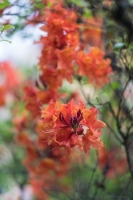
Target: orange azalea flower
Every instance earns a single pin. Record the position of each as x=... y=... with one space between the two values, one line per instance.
x=39 y=187
x=20 y=121
x=57 y=66
x=91 y=139
x=23 y=139
x=32 y=153
x=54 y=77
x=113 y=162
x=61 y=28
x=60 y=19
x=3 y=95
x=67 y=124
x=36 y=97
x=94 y=66
x=43 y=162
x=38 y=15
x=9 y=76
x=92 y=31
x=9 y=80
x=59 y=46
x=32 y=103
x=47 y=169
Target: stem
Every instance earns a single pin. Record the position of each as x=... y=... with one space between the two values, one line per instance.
x=128 y=159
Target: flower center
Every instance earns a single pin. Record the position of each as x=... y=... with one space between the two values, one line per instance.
x=73 y=122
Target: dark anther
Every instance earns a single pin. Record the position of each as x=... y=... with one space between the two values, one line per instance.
x=62 y=119
x=79 y=116
x=73 y=121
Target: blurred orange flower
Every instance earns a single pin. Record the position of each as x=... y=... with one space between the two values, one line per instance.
x=10 y=77
x=9 y=80
x=36 y=97
x=94 y=66
x=113 y=162
x=92 y=31
x=58 y=46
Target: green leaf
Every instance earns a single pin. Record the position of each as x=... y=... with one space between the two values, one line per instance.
x=7 y=27
x=39 y=5
x=1 y=28
x=4 y=4
x=85 y=80
x=50 y=4
x=76 y=68
x=79 y=3
x=115 y=85
x=87 y=13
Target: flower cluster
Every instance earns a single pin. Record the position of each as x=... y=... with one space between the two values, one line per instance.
x=64 y=46
x=49 y=143
x=52 y=133
x=94 y=66
x=42 y=160
x=59 y=46
x=36 y=97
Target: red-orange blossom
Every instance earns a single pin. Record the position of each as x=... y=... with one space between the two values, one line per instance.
x=72 y=125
